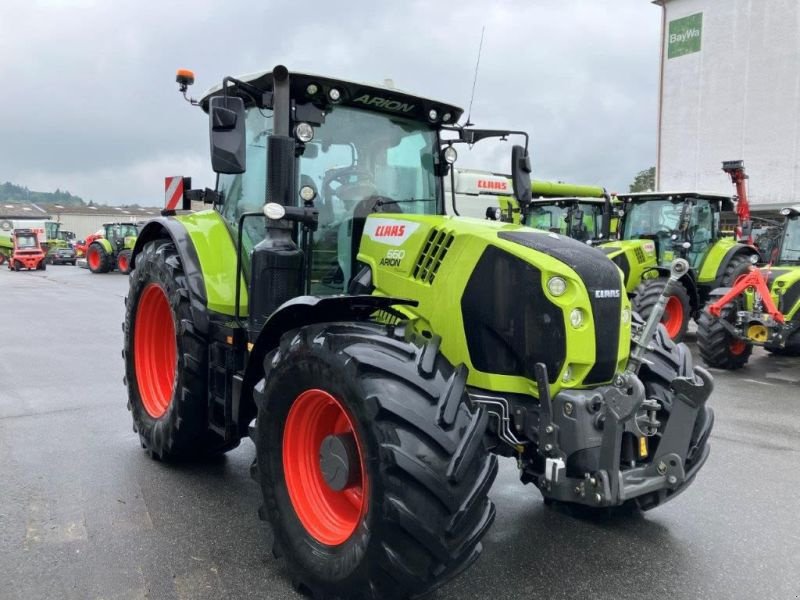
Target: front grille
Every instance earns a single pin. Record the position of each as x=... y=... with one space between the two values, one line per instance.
x=509 y=322
x=598 y=275
x=432 y=255
x=639 y=255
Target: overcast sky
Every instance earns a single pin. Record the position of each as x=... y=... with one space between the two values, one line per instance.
x=90 y=104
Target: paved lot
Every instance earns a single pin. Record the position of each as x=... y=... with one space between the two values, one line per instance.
x=85 y=514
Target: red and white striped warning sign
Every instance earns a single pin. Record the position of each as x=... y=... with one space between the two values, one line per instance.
x=173 y=191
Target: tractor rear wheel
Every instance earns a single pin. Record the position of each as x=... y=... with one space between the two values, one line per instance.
x=738 y=266
x=677 y=312
x=97 y=259
x=718 y=347
x=371 y=461
x=124 y=262
x=166 y=360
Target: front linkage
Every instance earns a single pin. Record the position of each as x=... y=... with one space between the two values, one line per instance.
x=575 y=418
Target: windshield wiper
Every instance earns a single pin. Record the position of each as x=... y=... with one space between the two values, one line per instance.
x=392 y=201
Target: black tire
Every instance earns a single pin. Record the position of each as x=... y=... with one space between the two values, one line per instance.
x=105 y=261
x=739 y=265
x=665 y=362
x=182 y=430
x=73 y=262
x=42 y=266
x=428 y=470
x=124 y=262
x=791 y=349
x=647 y=294
x=718 y=347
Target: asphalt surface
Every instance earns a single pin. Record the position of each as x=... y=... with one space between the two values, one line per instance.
x=84 y=513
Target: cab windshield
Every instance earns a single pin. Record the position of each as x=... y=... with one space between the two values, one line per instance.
x=51 y=228
x=27 y=241
x=582 y=221
x=358 y=162
x=652 y=218
x=790 y=246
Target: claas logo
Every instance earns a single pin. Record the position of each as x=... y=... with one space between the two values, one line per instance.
x=390 y=230
x=489 y=184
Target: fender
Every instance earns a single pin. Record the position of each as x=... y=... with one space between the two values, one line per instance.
x=166 y=228
x=105 y=244
x=293 y=314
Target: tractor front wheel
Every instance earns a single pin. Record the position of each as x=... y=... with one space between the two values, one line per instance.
x=718 y=347
x=97 y=259
x=166 y=360
x=371 y=462
x=677 y=312
x=124 y=262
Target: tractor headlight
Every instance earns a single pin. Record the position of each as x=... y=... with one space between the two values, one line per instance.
x=446 y=117
x=754 y=258
x=786 y=212
x=307 y=193
x=567 y=374
x=557 y=286
x=450 y=155
x=576 y=317
x=335 y=95
x=304 y=132
x=626 y=316
x=433 y=114
x=312 y=89
x=274 y=211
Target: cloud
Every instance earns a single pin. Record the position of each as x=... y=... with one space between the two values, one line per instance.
x=91 y=105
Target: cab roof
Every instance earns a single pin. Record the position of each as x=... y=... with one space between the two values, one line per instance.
x=727 y=202
x=361 y=95
x=569 y=199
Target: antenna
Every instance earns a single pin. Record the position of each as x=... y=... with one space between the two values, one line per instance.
x=475 y=80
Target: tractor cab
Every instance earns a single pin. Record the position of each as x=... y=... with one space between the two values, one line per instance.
x=116 y=233
x=582 y=219
x=361 y=149
x=789 y=252
x=682 y=225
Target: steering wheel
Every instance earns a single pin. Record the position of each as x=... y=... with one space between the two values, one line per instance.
x=349 y=184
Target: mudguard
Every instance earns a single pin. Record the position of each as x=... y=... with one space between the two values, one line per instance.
x=299 y=312
x=161 y=228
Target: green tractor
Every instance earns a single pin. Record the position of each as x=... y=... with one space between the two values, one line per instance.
x=114 y=249
x=586 y=219
x=379 y=353
x=655 y=228
x=761 y=309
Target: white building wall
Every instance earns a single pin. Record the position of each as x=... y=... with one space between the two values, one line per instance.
x=83 y=225
x=737 y=98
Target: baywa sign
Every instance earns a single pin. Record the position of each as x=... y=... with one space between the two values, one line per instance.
x=685 y=35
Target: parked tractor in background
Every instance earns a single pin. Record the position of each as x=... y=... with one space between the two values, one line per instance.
x=762 y=308
x=578 y=211
x=378 y=398
x=113 y=250
x=21 y=249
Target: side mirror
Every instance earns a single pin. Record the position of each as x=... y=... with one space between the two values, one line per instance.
x=521 y=175
x=226 y=130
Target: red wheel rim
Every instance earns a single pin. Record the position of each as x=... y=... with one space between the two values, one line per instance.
x=123 y=263
x=329 y=516
x=154 y=350
x=737 y=347
x=673 y=316
x=93 y=258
